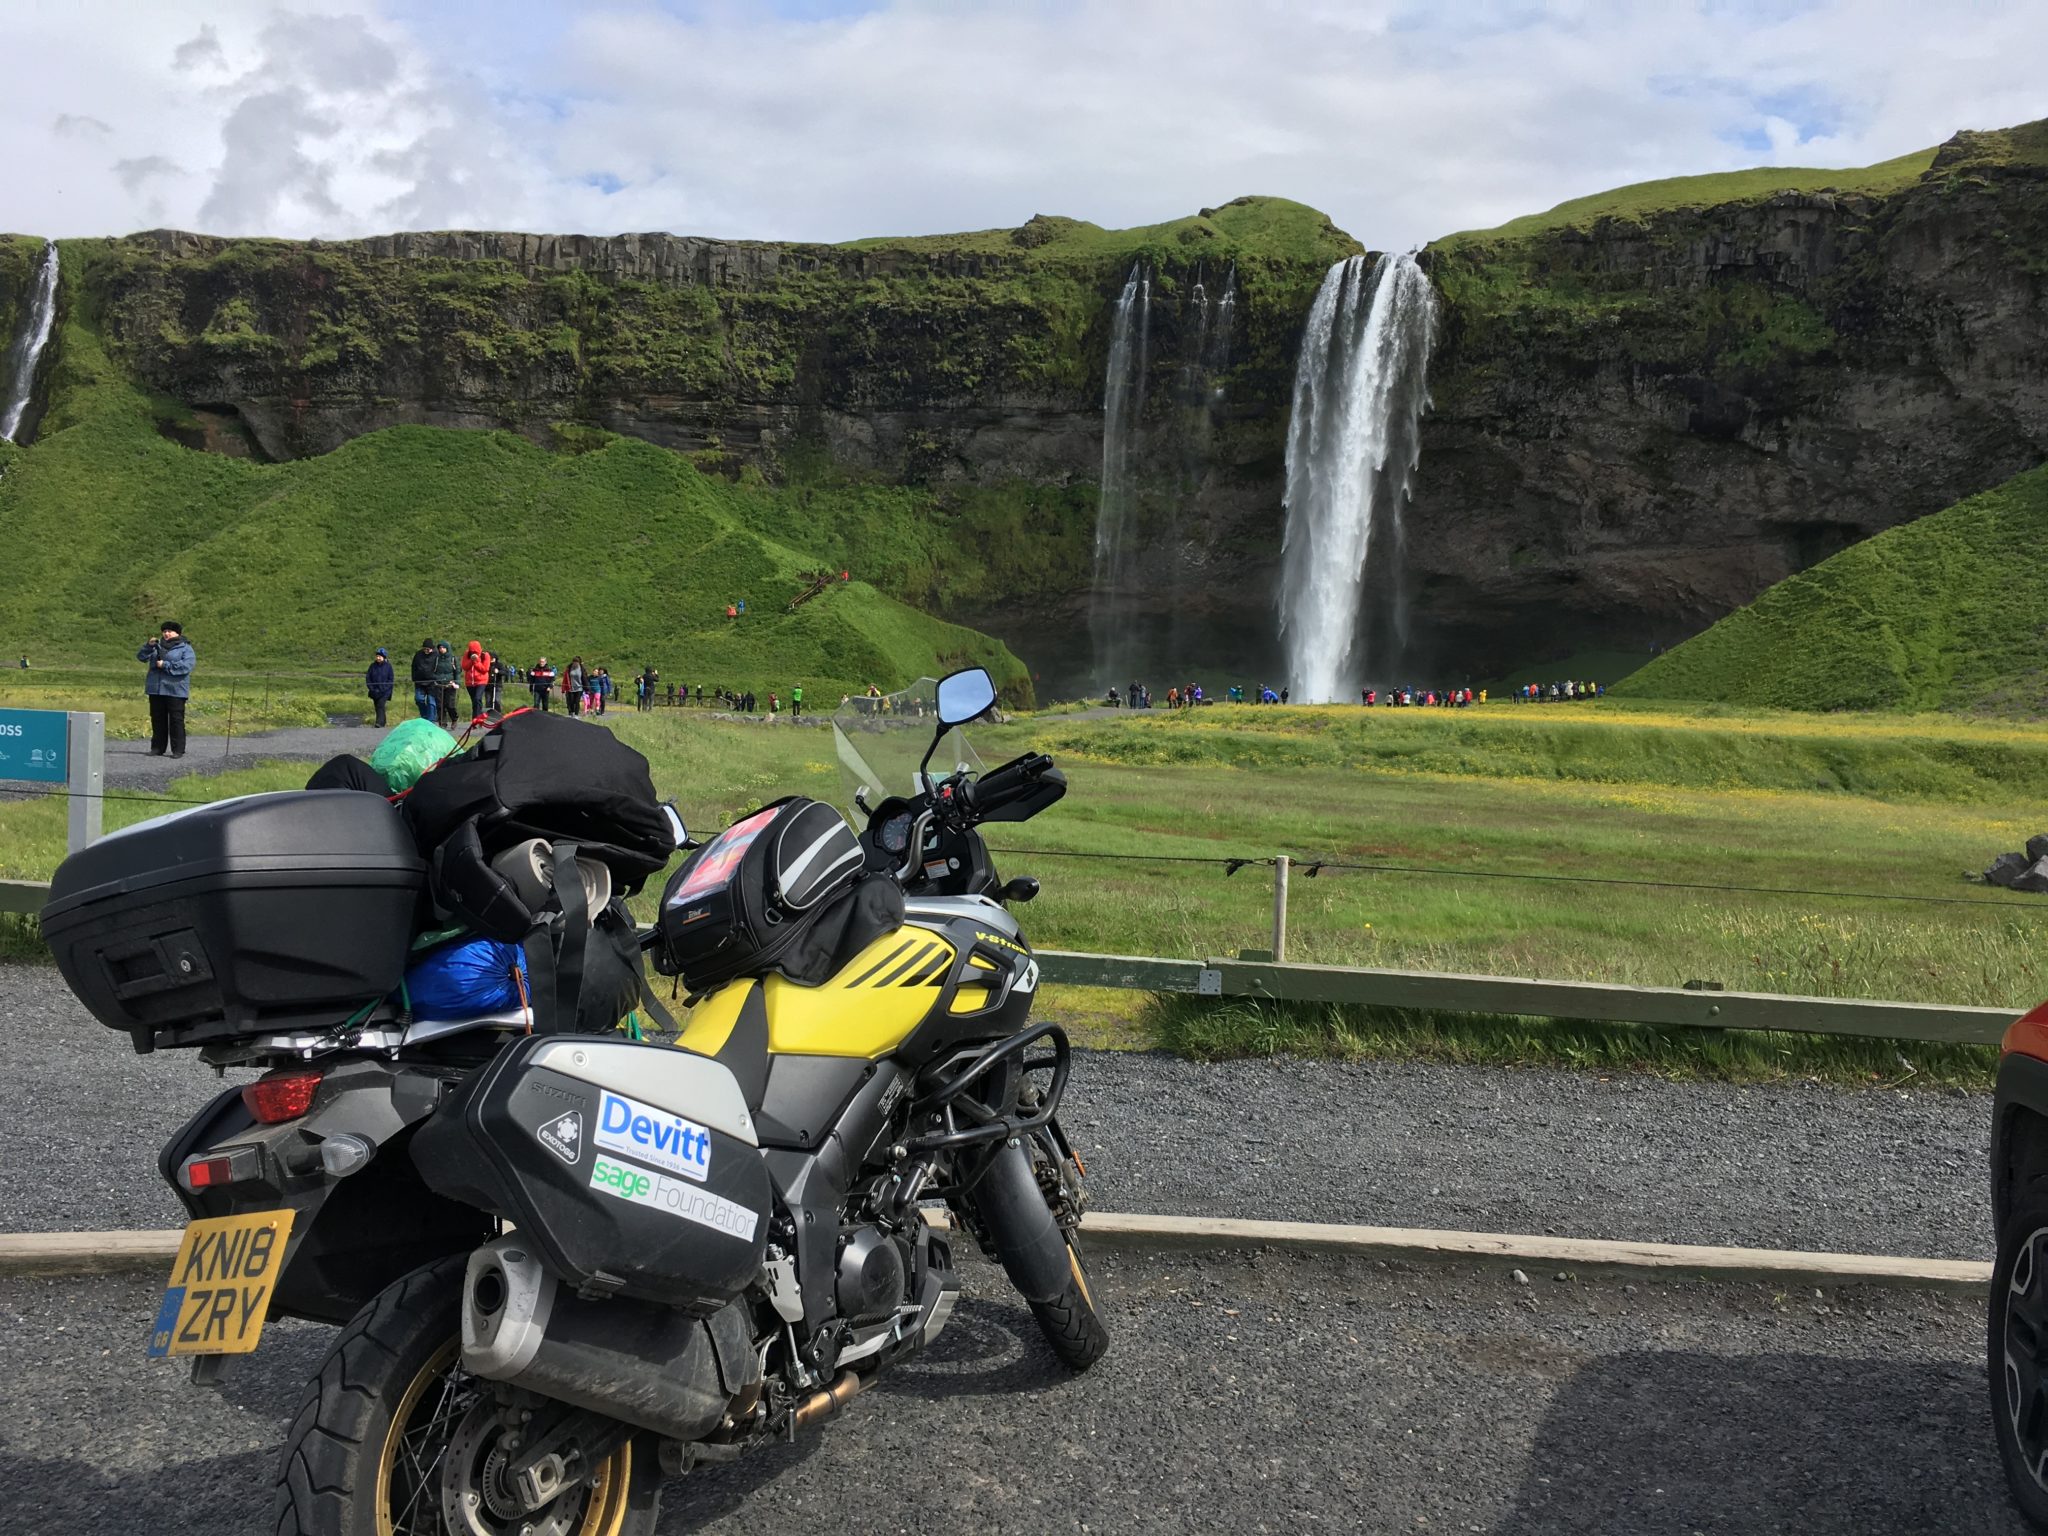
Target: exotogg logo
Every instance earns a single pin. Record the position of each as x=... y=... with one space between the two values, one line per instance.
x=654 y=1136
x=563 y=1136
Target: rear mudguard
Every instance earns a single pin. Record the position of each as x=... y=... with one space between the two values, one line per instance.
x=1028 y=1240
x=351 y=1236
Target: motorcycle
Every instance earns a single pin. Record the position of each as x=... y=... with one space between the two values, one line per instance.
x=570 y=1266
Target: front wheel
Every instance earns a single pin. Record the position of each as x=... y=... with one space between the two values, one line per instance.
x=1042 y=1258
x=1069 y=1321
x=394 y=1438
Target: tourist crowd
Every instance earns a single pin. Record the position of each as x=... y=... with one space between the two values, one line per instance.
x=1190 y=695
x=445 y=682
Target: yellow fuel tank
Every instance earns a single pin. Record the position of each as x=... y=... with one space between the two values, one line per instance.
x=867 y=1010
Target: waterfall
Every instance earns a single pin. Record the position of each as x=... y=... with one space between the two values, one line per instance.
x=1353 y=441
x=1123 y=408
x=27 y=350
x=1194 y=346
x=1216 y=356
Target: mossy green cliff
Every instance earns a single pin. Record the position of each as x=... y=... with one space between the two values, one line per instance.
x=1653 y=404
x=1650 y=404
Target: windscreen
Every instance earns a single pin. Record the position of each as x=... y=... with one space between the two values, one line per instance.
x=880 y=739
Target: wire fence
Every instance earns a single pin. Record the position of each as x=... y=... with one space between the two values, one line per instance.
x=1308 y=867
x=1305 y=866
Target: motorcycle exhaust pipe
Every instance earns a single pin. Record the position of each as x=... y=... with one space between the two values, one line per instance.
x=645 y=1365
x=828 y=1401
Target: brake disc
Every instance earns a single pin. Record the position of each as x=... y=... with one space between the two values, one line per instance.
x=476 y=1498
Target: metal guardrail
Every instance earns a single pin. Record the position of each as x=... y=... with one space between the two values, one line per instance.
x=1447 y=992
x=23 y=896
x=1599 y=1001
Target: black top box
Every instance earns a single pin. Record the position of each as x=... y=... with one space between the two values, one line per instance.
x=268 y=912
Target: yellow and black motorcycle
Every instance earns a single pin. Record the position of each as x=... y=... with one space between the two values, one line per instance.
x=569 y=1265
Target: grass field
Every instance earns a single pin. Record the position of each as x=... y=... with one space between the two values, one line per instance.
x=1603 y=793
x=252 y=701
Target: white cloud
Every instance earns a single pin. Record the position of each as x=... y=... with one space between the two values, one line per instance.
x=1402 y=120
x=201 y=51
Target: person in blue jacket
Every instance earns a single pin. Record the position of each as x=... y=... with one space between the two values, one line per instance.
x=377 y=682
x=168 y=682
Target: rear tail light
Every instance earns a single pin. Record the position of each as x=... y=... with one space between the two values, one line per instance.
x=282 y=1095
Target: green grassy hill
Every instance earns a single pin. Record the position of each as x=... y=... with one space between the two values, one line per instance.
x=1645 y=198
x=1967 y=151
x=624 y=553
x=1950 y=612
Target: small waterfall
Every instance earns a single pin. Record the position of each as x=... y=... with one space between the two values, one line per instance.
x=1194 y=346
x=1123 y=409
x=1353 y=441
x=27 y=350
x=1216 y=357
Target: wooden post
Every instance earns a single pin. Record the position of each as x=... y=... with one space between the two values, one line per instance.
x=1280 y=866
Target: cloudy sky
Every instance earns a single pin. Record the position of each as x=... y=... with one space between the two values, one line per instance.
x=831 y=119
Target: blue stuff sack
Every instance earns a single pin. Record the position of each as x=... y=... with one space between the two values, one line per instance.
x=467 y=978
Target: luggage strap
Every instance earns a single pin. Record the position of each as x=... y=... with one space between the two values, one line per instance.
x=556 y=974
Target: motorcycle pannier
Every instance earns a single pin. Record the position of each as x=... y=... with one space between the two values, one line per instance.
x=633 y=1168
x=744 y=902
x=237 y=918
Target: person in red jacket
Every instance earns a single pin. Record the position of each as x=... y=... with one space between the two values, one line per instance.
x=476 y=676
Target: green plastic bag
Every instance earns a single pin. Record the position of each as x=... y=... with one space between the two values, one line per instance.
x=410 y=750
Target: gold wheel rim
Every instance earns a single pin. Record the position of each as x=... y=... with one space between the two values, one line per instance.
x=610 y=1488
x=1080 y=1275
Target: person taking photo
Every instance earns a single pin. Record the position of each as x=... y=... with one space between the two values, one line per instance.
x=169 y=657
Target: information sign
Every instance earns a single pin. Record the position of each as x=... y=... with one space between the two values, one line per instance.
x=33 y=745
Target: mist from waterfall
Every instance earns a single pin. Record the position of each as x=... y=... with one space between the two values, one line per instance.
x=27 y=350
x=1116 y=530
x=1353 y=442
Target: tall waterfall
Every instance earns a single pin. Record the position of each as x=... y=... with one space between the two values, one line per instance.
x=1353 y=441
x=27 y=350
x=1116 y=530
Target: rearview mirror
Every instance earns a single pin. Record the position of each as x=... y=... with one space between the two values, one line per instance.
x=965 y=696
x=680 y=832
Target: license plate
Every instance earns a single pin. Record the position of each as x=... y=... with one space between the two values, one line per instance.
x=220 y=1286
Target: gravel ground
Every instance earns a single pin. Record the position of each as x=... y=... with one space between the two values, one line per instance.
x=129 y=765
x=1474 y=1148
x=1259 y=1392
x=1519 y=1150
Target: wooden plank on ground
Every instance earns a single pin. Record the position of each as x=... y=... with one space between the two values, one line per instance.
x=1544 y=1254
x=86 y=1253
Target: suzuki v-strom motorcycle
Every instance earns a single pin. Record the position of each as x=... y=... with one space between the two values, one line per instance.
x=571 y=1265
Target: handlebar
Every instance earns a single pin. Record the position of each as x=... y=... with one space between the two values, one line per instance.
x=999 y=786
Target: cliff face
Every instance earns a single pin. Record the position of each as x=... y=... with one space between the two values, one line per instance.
x=1646 y=410
x=961 y=364
x=1641 y=423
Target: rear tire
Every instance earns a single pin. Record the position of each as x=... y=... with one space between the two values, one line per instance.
x=2018 y=1353
x=1069 y=1321
x=383 y=1407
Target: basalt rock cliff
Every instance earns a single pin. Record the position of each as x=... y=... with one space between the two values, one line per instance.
x=1644 y=419
x=1647 y=407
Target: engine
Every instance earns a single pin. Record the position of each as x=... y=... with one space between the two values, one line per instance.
x=874 y=1271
